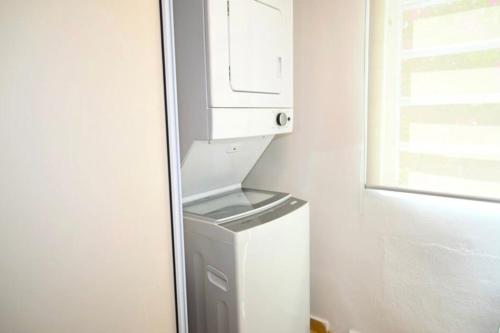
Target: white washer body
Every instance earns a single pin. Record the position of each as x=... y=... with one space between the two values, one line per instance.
x=250 y=275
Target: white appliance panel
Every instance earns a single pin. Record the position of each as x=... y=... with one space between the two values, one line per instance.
x=256 y=37
x=212 y=165
x=273 y=271
x=256 y=49
x=230 y=123
x=211 y=309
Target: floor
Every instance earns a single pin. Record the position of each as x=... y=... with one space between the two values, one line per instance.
x=321 y=331
x=317 y=327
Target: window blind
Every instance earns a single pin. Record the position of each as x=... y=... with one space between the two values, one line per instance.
x=434 y=97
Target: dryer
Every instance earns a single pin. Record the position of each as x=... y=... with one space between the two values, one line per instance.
x=247 y=260
x=234 y=68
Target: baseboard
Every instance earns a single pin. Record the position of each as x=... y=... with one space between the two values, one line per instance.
x=319 y=325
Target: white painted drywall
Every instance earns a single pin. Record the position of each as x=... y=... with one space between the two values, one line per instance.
x=381 y=262
x=84 y=209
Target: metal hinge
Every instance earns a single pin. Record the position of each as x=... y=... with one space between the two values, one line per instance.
x=227 y=8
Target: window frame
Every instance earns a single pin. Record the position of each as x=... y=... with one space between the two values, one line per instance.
x=366 y=134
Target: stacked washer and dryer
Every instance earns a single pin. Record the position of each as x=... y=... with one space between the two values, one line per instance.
x=247 y=250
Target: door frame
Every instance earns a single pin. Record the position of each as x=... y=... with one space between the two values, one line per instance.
x=174 y=161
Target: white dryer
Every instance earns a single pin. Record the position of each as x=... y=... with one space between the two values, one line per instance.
x=247 y=259
x=234 y=64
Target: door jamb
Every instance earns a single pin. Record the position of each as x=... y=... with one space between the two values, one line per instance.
x=174 y=158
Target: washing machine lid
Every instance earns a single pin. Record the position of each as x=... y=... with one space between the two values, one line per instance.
x=233 y=204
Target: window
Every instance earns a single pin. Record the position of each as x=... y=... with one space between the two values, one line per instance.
x=434 y=97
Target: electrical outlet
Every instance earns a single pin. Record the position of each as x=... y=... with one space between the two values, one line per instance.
x=353 y=331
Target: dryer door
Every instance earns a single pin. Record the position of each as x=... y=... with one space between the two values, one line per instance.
x=249 y=58
x=256 y=46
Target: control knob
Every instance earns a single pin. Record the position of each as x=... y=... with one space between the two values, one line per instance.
x=282 y=119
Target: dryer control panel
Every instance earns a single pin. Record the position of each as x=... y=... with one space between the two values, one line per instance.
x=233 y=123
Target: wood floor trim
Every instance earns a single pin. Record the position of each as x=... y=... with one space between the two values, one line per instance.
x=317 y=327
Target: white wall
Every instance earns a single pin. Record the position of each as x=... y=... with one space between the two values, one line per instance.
x=381 y=262
x=84 y=218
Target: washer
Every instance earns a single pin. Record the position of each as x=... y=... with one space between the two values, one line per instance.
x=247 y=261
